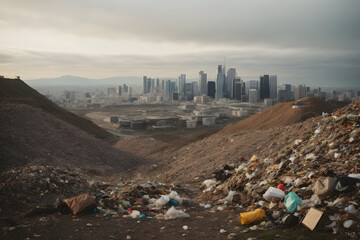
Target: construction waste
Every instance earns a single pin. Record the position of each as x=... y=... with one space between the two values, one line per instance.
x=313 y=180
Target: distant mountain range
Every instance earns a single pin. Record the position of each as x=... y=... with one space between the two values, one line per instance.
x=69 y=80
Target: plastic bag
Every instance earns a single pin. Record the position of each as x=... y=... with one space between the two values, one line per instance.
x=253 y=216
x=174 y=213
x=292 y=201
x=273 y=192
x=162 y=201
x=174 y=195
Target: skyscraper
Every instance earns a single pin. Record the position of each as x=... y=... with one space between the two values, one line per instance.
x=157 y=85
x=237 y=90
x=253 y=84
x=195 y=89
x=220 y=82
x=202 y=83
x=236 y=94
x=253 y=95
x=181 y=83
x=299 y=92
x=231 y=75
x=211 y=89
x=273 y=87
x=144 y=84
x=264 y=87
x=148 y=85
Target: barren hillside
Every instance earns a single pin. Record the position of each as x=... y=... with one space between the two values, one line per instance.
x=16 y=91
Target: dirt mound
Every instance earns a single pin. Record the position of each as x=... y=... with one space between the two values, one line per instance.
x=31 y=135
x=284 y=114
x=16 y=91
x=24 y=188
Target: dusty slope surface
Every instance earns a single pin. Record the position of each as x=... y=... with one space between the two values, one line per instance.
x=265 y=134
x=196 y=161
x=283 y=114
x=31 y=135
x=16 y=91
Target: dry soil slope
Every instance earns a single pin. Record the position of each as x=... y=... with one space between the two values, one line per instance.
x=283 y=114
x=264 y=134
x=16 y=91
x=36 y=131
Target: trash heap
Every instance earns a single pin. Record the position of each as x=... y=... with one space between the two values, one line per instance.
x=313 y=180
x=150 y=200
x=23 y=188
x=43 y=189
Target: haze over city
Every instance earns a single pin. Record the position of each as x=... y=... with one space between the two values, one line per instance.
x=303 y=42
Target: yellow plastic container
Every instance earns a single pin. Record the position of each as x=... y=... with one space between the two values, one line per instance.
x=253 y=216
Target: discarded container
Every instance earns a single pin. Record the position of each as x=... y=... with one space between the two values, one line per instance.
x=273 y=192
x=77 y=204
x=324 y=186
x=253 y=216
x=281 y=187
x=292 y=201
x=312 y=218
x=173 y=202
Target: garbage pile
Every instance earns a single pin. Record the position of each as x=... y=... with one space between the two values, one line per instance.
x=23 y=188
x=313 y=180
x=150 y=200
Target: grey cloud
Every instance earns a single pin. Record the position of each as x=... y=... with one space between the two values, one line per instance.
x=327 y=70
x=322 y=24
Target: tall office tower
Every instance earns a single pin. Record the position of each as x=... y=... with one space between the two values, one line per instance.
x=264 y=87
x=130 y=92
x=163 y=85
x=152 y=85
x=181 y=83
x=231 y=75
x=167 y=88
x=195 y=89
x=273 y=87
x=188 y=91
x=172 y=86
x=211 y=89
x=148 y=85
x=120 y=90
x=144 y=84
x=253 y=84
x=285 y=93
x=235 y=81
x=237 y=89
x=220 y=82
x=125 y=88
x=299 y=92
x=253 y=95
x=157 y=85
x=243 y=91
x=202 y=83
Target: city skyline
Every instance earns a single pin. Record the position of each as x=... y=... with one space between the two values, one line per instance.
x=314 y=43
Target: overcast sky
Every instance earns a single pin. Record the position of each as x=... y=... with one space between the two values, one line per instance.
x=311 y=42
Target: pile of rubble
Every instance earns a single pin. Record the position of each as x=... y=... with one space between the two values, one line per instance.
x=150 y=200
x=23 y=188
x=41 y=189
x=312 y=179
